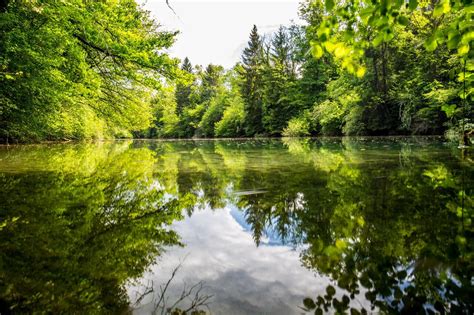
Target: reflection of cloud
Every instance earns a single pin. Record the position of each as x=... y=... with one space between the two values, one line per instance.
x=237 y=292
x=242 y=278
x=270 y=237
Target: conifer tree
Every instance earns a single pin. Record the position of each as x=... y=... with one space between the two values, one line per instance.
x=252 y=83
x=278 y=101
x=187 y=66
x=211 y=79
x=184 y=90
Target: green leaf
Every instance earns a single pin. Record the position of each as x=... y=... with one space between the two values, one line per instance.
x=316 y=50
x=402 y=20
x=468 y=37
x=398 y=294
x=449 y=110
x=329 y=4
x=354 y=311
x=341 y=244
x=438 y=10
x=330 y=290
x=366 y=13
x=453 y=42
x=413 y=4
x=431 y=44
x=346 y=300
x=309 y=304
x=463 y=49
x=441 y=8
x=378 y=39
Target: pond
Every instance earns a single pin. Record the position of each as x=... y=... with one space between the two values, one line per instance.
x=265 y=226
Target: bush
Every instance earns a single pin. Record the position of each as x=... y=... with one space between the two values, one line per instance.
x=212 y=115
x=332 y=113
x=329 y=114
x=297 y=127
x=231 y=124
x=354 y=122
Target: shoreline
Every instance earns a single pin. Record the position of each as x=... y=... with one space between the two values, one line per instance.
x=47 y=142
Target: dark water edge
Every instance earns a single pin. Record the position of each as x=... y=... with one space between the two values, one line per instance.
x=265 y=225
x=4 y=142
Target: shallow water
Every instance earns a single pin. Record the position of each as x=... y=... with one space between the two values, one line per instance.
x=252 y=227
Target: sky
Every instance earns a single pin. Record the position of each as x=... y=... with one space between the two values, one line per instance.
x=217 y=31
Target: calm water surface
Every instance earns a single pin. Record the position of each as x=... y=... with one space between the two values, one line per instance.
x=290 y=226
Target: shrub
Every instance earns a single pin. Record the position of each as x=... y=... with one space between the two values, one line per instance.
x=297 y=127
x=232 y=121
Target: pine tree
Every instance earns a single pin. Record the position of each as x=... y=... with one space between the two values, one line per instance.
x=187 y=65
x=278 y=101
x=211 y=79
x=184 y=90
x=252 y=83
x=281 y=48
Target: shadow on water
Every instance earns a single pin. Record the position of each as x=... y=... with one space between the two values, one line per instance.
x=389 y=221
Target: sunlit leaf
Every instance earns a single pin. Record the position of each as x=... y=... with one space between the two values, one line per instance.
x=449 y=110
x=360 y=72
x=463 y=49
x=442 y=7
x=317 y=50
x=341 y=244
x=431 y=44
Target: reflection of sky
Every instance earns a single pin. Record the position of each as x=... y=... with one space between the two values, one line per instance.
x=270 y=236
x=242 y=278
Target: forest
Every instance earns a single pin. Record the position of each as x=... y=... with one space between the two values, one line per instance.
x=77 y=69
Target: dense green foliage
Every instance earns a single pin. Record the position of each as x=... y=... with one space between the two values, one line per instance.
x=377 y=75
x=415 y=58
x=78 y=69
x=76 y=229
x=83 y=69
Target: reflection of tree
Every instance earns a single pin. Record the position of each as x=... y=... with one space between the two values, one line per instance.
x=388 y=222
x=381 y=218
x=74 y=238
x=395 y=234
x=191 y=300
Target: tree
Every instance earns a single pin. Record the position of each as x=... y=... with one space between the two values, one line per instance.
x=280 y=99
x=184 y=89
x=211 y=81
x=79 y=69
x=252 y=83
x=350 y=31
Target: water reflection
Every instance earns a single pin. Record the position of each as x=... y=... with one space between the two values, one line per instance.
x=378 y=224
x=241 y=278
x=76 y=224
